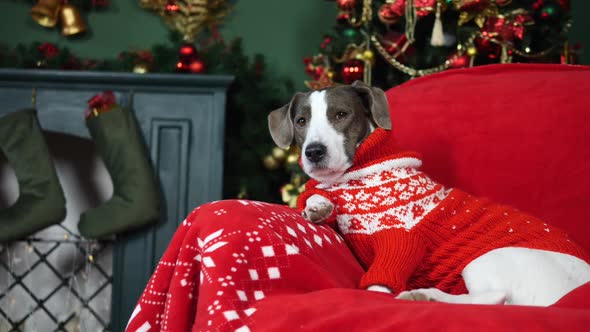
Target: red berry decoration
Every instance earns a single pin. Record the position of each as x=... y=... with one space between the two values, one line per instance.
x=171 y=7
x=346 y=4
x=48 y=50
x=538 y=4
x=352 y=70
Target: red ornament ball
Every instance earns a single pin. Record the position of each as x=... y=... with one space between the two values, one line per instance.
x=352 y=70
x=187 y=50
x=459 y=61
x=343 y=17
x=388 y=15
x=423 y=7
x=346 y=4
x=196 y=67
x=486 y=47
x=186 y=55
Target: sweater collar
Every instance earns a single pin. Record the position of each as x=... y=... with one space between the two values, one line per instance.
x=378 y=146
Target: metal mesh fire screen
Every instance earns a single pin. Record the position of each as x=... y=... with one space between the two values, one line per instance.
x=55 y=284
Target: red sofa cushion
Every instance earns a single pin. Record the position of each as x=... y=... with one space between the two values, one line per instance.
x=516 y=133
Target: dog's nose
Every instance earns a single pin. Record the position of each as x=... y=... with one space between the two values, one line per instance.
x=315 y=152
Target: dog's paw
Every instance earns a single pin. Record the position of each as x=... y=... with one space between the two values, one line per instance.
x=434 y=294
x=418 y=295
x=317 y=209
x=380 y=289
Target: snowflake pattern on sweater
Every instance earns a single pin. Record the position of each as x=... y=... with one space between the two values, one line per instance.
x=390 y=194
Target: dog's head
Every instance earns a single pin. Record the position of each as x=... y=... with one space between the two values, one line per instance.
x=329 y=125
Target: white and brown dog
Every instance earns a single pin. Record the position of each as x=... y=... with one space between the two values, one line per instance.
x=415 y=237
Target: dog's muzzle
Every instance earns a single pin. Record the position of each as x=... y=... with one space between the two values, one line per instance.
x=315 y=152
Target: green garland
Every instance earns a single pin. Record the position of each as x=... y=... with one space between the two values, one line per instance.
x=252 y=95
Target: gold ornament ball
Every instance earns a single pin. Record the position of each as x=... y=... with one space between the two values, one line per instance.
x=270 y=163
x=471 y=51
x=369 y=55
x=141 y=68
x=292 y=159
x=279 y=154
x=330 y=74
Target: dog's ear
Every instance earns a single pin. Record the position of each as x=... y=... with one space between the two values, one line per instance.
x=376 y=103
x=280 y=123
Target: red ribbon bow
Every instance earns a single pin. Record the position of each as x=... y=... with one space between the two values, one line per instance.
x=101 y=102
x=507 y=29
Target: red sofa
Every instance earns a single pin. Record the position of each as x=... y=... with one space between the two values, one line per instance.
x=515 y=133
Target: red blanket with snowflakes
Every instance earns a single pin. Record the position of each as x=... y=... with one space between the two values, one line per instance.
x=248 y=266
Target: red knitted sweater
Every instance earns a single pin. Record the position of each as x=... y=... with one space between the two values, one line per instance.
x=410 y=232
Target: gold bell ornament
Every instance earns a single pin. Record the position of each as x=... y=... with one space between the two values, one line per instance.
x=72 y=22
x=45 y=12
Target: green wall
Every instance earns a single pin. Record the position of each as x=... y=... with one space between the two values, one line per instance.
x=581 y=29
x=283 y=30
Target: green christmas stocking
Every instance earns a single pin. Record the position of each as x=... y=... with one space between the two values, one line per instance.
x=41 y=200
x=135 y=200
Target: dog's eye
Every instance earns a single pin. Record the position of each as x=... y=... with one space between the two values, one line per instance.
x=301 y=122
x=341 y=115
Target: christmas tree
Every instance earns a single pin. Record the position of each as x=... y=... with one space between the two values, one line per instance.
x=388 y=42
